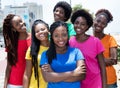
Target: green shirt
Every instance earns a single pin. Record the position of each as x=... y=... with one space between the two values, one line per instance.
x=71 y=31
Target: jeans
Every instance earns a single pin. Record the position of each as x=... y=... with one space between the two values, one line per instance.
x=112 y=85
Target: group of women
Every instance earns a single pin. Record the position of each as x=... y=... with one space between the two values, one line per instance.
x=62 y=56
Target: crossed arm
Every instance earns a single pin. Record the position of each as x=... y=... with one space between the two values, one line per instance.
x=69 y=76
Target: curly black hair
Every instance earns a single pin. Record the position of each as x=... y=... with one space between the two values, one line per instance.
x=67 y=8
x=84 y=14
x=105 y=12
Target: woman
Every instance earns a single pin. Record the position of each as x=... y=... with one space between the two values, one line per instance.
x=103 y=17
x=91 y=48
x=17 y=41
x=62 y=12
x=40 y=42
x=62 y=66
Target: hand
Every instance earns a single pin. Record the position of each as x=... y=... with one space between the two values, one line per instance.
x=110 y=62
x=46 y=68
x=79 y=70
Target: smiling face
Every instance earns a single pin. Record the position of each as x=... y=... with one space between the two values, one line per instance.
x=59 y=14
x=80 y=25
x=41 y=32
x=60 y=37
x=18 y=24
x=100 y=22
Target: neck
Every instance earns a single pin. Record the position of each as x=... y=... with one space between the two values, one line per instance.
x=99 y=35
x=23 y=36
x=45 y=43
x=82 y=37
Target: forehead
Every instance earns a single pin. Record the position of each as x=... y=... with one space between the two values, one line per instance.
x=16 y=18
x=81 y=18
x=40 y=25
x=102 y=17
x=59 y=8
x=60 y=29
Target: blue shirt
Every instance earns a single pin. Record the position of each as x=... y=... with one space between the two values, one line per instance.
x=62 y=63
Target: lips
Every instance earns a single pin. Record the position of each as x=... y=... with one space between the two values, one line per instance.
x=61 y=43
x=42 y=35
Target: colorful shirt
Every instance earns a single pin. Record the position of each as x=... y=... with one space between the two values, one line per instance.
x=71 y=31
x=63 y=63
x=33 y=81
x=111 y=73
x=17 y=71
x=90 y=49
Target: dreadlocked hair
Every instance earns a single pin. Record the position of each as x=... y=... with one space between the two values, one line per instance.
x=11 y=39
x=35 y=47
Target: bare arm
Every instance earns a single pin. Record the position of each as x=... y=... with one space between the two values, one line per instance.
x=80 y=70
x=7 y=74
x=27 y=74
x=69 y=76
x=113 y=57
x=51 y=76
x=103 y=70
x=113 y=54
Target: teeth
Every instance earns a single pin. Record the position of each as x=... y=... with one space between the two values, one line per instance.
x=42 y=35
x=78 y=29
x=61 y=42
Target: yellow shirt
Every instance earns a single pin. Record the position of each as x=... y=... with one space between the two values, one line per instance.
x=108 y=42
x=33 y=81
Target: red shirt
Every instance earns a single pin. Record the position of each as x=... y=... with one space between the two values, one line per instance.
x=16 y=76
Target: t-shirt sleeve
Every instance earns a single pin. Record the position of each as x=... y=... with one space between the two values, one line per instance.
x=79 y=55
x=44 y=59
x=27 y=56
x=113 y=42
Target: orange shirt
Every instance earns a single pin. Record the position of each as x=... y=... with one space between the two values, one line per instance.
x=108 y=42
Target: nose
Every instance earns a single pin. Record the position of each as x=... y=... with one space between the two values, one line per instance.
x=23 y=23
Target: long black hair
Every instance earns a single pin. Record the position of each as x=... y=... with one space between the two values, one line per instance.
x=11 y=39
x=51 y=52
x=35 y=43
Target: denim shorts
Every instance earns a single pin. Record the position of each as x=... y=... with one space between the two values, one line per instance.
x=112 y=85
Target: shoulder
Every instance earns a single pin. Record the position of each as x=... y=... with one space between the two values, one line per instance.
x=109 y=36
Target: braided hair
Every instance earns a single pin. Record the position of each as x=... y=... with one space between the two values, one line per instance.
x=11 y=39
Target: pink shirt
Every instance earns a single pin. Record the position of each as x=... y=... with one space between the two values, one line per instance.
x=90 y=49
x=16 y=76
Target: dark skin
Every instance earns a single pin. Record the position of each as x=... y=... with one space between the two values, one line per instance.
x=60 y=38
x=99 y=24
x=80 y=26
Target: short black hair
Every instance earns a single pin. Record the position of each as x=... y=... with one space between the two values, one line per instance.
x=67 y=8
x=84 y=14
